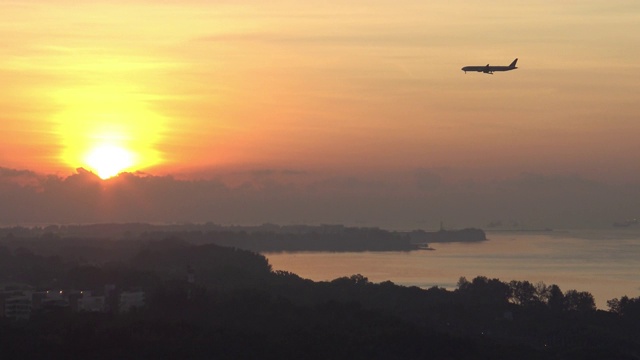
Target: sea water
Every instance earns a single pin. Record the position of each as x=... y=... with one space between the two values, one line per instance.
x=605 y=263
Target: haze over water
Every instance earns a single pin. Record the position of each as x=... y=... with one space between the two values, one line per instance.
x=604 y=263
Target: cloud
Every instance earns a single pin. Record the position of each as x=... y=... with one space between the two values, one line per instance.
x=12 y=177
x=418 y=199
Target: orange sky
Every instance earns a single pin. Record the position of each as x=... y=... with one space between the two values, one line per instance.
x=175 y=87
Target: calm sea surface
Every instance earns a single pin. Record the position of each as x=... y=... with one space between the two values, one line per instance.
x=605 y=263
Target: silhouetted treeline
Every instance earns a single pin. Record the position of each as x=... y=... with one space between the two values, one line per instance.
x=263 y=238
x=208 y=301
x=350 y=239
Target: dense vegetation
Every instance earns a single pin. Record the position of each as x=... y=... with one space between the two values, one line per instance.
x=262 y=238
x=238 y=308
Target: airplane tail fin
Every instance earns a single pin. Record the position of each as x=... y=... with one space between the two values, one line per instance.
x=513 y=64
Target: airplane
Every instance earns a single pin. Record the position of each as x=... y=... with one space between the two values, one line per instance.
x=490 y=69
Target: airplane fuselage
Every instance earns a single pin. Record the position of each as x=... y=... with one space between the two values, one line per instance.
x=490 y=69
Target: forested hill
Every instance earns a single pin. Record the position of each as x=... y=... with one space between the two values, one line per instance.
x=263 y=238
x=207 y=301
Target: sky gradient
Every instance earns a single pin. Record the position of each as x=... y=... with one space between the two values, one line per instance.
x=346 y=93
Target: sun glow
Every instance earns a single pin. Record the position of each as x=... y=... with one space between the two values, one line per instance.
x=109 y=160
x=108 y=129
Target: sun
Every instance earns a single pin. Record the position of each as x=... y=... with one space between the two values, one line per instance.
x=109 y=160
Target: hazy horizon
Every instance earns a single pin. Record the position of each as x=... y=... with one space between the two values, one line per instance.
x=339 y=112
x=401 y=201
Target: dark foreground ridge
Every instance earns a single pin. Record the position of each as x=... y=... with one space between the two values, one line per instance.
x=166 y=298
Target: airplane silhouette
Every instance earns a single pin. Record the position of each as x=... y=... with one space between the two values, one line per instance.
x=490 y=69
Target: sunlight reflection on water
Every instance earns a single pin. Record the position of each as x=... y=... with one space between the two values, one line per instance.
x=604 y=263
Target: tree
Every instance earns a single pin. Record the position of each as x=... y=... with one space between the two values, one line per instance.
x=555 y=302
x=463 y=284
x=353 y=280
x=627 y=307
x=581 y=301
x=543 y=292
x=615 y=306
x=484 y=290
x=523 y=293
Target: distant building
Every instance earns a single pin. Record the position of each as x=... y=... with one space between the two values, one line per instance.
x=191 y=275
x=37 y=298
x=15 y=301
x=17 y=307
x=130 y=300
x=54 y=300
x=55 y=295
x=111 y=297
x=19 y=301
x=90 y=303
